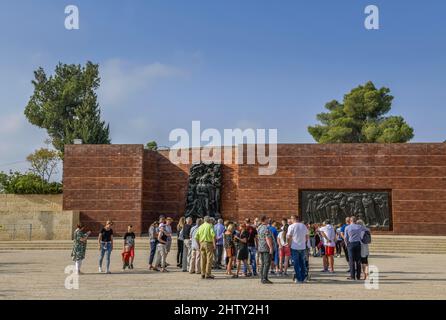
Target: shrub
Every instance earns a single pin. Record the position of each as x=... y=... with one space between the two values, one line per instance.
x=27 y=183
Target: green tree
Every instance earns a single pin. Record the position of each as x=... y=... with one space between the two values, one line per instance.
x=65 y=104
x=44 y=163
x=361 y=118
x=152 y=145
x=28 y=183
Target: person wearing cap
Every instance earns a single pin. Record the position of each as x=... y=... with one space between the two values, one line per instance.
x=205 y=237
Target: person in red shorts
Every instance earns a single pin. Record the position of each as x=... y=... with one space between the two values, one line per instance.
x=128 y=254
x=284 y=251
x=328 y=235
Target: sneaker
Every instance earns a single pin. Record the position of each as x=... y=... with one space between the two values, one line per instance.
x=108 y=272
x=100 y=270
x=268 y=282
x=325 y=270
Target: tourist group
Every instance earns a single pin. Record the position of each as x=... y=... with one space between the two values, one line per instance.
x=254 y=248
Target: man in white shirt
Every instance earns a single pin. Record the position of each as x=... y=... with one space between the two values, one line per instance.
x=297 y=238
x=328 y=235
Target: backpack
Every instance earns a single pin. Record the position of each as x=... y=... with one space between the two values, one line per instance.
x=367 y=237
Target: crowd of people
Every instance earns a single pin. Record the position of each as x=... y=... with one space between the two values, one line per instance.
x=253 y=248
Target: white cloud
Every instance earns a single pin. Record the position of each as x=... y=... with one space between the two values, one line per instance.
x=120 y=80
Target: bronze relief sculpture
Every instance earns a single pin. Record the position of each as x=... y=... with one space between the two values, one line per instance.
x=370 y=206
x=203 y=194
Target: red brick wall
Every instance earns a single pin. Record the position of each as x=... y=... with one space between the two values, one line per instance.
x=416 y=174
x=128 y=184
x=104 y=182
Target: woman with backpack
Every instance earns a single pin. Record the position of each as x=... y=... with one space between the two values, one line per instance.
x=365 y=240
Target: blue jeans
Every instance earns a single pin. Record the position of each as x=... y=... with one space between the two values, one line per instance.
x=106 y=249
x=298 y=257
x=252 y=260
x=354 y=253
x=276 y=254
x=153 y=244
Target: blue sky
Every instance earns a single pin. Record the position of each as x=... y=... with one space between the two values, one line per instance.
x=229 y=64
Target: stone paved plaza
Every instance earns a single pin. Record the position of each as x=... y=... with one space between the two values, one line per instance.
x=38 y=274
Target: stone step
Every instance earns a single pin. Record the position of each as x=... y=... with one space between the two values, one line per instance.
x=380 y=244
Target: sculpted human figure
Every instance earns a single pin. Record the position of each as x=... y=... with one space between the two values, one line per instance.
x=309 y=210
x=343 y=204
x=203 y=198
x=216 y=182
x=203 y=195
x=369 y=210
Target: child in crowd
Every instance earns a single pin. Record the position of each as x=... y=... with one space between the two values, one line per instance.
x=128 y=254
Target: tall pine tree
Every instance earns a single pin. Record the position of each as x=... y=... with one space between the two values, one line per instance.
x=361 y=118
x=65 y=104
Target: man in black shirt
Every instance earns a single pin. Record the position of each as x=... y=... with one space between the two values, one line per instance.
x=187 y=243
x=252 y=246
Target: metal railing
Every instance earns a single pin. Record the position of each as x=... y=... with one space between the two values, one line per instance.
x=11 y=232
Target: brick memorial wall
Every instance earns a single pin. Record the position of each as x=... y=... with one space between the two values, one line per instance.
x=128 y=184
x=104 y=182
